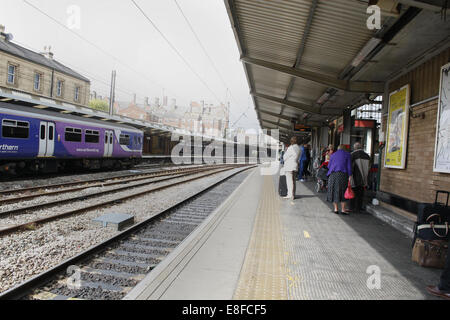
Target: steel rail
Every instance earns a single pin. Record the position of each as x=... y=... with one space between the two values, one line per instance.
x=66 y=184
x=126 y=179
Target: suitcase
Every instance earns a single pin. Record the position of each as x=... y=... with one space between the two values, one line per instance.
x=425 y=210
x=433 y=220
x=282 y=186
x=430 y=254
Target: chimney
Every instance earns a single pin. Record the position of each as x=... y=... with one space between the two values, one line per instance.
x=2 y=33
x=5 y=36
x=146 y=101
x=48 y=52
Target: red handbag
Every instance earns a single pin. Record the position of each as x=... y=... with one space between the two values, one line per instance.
x=349 y=194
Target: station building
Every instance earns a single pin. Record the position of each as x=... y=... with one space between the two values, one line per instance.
x=317 y=72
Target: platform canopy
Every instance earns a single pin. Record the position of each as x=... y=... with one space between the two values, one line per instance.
x=310 y=60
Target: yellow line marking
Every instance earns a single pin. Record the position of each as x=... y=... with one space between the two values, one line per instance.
x=306 y=234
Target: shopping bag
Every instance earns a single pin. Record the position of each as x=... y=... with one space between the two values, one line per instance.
x=349 y=194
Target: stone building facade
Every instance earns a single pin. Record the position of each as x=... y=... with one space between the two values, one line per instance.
x=39 y=74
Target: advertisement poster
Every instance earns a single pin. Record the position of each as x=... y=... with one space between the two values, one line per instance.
x=442 y=149
x=397 y=133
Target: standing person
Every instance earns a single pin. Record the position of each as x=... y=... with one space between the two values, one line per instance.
x=282 y=156
x=360 y=167
x=329 y=152
x=442 y=290
x=308 y=161
x=339 y=172
x=291 y=167
x=302 y=163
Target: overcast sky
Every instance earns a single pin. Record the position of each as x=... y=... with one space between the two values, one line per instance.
x=145 y=63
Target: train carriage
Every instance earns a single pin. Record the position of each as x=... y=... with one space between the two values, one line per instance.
x=41 y=140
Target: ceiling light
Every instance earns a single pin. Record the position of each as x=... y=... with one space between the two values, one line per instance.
x=368 y=48
x=323 y=98
x=5 y=99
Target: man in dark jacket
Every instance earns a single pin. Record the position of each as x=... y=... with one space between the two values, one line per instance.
x=360 y=167
x=443 y=289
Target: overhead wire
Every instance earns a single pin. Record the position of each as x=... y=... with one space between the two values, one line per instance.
x=209 y=58
x=175 y=50
x=93 y=44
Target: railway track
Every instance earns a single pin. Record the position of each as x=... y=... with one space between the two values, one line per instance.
x=34 y=223
x=92 y=183
x=87 y=181
x=110 y=269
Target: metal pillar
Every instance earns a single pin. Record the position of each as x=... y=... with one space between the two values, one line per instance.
x=113 y=93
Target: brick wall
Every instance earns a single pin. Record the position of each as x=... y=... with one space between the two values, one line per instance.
x=418 y=181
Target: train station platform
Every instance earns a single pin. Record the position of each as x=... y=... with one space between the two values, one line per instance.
x=257 y=245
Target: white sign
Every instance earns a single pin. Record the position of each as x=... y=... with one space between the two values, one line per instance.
x=442 y=148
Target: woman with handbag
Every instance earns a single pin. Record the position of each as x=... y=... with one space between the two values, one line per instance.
x=339 y=172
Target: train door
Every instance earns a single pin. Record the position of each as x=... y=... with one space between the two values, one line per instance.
x=109 y=143
x=46 y=139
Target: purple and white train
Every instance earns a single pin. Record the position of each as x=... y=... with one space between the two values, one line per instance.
x=34 y=140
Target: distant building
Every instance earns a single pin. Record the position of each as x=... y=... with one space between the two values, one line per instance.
x=39 y=74
x=132 y=111
x=207 y=119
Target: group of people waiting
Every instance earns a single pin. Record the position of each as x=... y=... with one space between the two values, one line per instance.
x=343 y=167
x=348 y=169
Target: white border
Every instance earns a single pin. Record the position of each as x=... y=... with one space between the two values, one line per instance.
x=438 y=120
x=405 y=131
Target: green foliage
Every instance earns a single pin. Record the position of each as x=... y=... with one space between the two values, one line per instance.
x=100 y=105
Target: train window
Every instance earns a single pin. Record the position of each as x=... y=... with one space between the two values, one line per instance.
x=15 y=129
x=72 y=135
x=92 y=136
x=106 y=138
x=50 y=133
x=124 y=139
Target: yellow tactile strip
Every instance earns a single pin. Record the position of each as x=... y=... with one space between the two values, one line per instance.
x=263 y=274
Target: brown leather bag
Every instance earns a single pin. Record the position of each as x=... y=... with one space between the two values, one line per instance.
x=430 y=253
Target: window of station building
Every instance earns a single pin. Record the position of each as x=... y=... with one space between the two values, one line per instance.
x=15 y=129
x=77 y=94
x=124 y=139
x=37 y=81
x=92 y=136
x=12 y=72
x=59 y=88
x=73 y=135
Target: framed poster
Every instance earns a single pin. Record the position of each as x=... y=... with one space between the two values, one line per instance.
x=442 y=148
x=397 y=128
